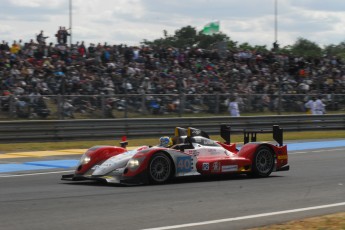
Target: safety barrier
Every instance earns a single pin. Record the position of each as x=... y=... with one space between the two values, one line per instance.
x=62 y=130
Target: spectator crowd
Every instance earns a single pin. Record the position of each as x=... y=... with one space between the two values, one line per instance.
x=39 y=68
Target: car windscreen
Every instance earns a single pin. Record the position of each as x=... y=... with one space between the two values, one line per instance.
x=203 y=141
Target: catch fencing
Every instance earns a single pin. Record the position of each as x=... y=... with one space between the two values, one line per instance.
x=61 y=107
x=95 y=129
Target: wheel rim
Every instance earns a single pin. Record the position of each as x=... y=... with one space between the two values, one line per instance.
x=160 y=169
x=264 y=161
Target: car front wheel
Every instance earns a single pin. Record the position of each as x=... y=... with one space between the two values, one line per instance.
x=159 y=168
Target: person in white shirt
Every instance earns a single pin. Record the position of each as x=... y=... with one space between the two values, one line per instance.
x=319 y=106
x=310 y=106
x=233 y=108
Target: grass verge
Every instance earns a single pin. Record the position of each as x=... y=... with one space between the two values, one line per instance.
x=327 y=222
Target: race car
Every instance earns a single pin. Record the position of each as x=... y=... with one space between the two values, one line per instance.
x=190 y=152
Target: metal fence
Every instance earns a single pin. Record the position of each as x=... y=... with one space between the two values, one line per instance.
x=57 y=130
x=60 y=107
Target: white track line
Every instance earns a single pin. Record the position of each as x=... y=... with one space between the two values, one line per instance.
x=247 y=217
x=315 y=151
x=35 y=174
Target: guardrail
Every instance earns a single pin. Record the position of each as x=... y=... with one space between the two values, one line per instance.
x=62 y=130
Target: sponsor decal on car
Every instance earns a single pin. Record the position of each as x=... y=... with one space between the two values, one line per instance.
x=105 y=165
x=183 y=164
x=193 y=152
x=124 y=155
x=284 y=157
x=196 y=132
x=205 y=166
x=229 y=168
x=212 y=151
x=95 y=167
x=215 y=166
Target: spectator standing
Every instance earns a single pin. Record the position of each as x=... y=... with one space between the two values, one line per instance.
x=62 y=35
x=59 y=36
x=310 y=106
x=34 y=96
x=82 y=50
x=319 y=106
x=4 y=46
x=65 y=34
x=68 y=109
x=15 y=48
x=41 y=39
x=233 y=107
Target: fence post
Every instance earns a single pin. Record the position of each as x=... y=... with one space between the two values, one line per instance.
x=103 y=105
x=217 y=104
x=59 y=107
x=280 y=95
x=181 y=106
x=126 y=105
x=11 y=107
x=143 y=103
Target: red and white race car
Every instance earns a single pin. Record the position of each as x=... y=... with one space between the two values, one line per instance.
x=192 y=153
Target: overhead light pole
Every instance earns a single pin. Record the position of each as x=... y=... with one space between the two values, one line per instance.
x=275 y=20
x=70 y=22
x=275 y=48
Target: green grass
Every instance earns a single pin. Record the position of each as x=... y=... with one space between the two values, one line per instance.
x=12 y=147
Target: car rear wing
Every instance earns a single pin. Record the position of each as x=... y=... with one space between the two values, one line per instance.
x=193 y=132
x=250 y=135
x=190 y=132
x=179 y=132
x=185 y=135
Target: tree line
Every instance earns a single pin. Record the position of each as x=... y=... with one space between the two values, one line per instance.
x=188 y=36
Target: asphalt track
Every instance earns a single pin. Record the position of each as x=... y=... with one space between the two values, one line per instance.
x=37 y=199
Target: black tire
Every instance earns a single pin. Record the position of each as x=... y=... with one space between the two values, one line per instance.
x=263 y=162
x=160 y=168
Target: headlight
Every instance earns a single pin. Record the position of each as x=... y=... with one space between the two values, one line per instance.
x=85 y=159
x=134 y=163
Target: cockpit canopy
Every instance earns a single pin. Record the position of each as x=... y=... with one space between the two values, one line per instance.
x=201 y=141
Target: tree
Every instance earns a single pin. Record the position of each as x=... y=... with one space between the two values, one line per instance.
x=207 y=41
x=187 y=37
x=335 y=50
x=245 y=46
x=305 y=48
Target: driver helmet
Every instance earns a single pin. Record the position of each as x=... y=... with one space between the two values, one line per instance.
x=165 y=141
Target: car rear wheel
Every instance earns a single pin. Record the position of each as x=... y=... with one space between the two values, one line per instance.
x=263 y=162
x=159 y=168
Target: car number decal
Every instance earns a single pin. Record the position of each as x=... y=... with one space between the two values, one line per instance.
x=184 y=164
x=193 y=152
x=205 y=166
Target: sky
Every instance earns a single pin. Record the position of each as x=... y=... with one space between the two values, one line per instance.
x=131 y=21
